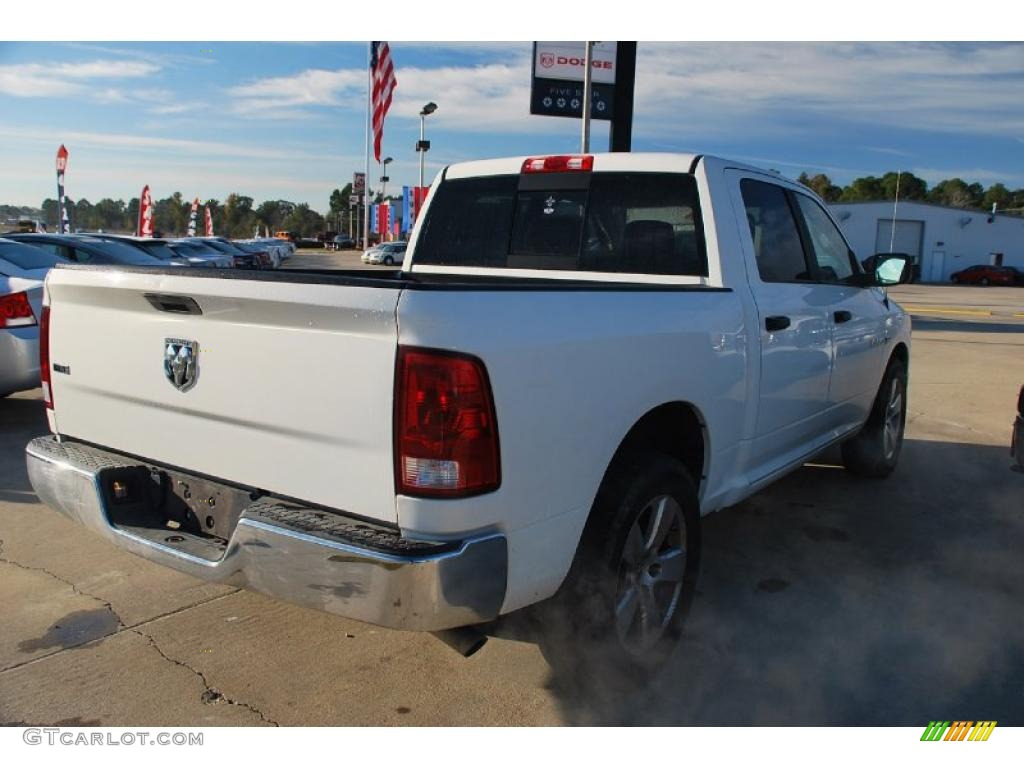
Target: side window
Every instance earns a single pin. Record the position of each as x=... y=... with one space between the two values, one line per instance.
x=830 y=250
x=777 y=246
x=80 y=256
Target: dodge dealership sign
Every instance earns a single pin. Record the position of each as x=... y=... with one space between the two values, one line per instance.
x=557 y=87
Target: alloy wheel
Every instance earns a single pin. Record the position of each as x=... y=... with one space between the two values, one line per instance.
x=651 y=573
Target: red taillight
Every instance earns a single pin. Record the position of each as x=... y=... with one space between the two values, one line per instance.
x=556 y=163
x=446 y=434
x=15 y=311
x=44 y=356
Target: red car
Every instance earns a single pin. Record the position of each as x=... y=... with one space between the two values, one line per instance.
x=984 y=274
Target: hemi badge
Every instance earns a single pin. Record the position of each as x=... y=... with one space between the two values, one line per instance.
x=62 y=368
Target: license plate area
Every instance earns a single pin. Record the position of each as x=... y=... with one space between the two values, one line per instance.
x=160 y=500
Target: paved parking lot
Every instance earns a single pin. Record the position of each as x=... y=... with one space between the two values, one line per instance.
x=823 y=600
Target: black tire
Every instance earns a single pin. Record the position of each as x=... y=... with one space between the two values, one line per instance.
x=388 y=261
x=875 y=450
x=983 y=281
x=582 y=628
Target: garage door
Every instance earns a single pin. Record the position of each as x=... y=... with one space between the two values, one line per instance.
x=908 y=237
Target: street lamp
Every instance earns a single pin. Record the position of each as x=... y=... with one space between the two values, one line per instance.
x=423 y=145
x=384 y=179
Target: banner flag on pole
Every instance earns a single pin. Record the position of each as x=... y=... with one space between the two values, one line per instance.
x=382 y=74
x=419 y=197
x=145 y=228
x=193 y=215
x=406 y=210
x=209 y=222
x=63 y=223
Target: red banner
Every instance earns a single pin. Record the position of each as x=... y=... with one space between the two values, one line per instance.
x=209 y=222
x=145 y=228
x=419 y=196
x=63 y=222
x=383 y=217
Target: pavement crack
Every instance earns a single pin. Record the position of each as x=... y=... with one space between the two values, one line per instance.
x=74 y=587
x=210 y=695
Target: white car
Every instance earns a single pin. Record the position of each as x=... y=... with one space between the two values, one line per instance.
x=21 y=308
x=387 y=254
x=582 y=356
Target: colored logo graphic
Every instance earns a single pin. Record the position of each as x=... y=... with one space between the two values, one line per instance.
x=959 y=730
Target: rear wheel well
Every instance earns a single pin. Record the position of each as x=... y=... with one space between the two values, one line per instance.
x=674 y=429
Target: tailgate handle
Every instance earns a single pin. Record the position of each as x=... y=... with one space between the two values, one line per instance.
x=182 y=305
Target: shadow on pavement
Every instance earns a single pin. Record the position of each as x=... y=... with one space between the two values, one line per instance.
x=832 y=600
x=21 y=419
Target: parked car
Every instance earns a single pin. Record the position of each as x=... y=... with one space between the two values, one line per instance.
x=21 y=307
x=1017 y=442
x=156 y=247
x=82 y=249
x=241 y=257
x=388 y=253
x=569 y=377
x=341 y=242
x=263 y=257
x=23 y=260
x=286 y=248
x=200 y=254
x=368 y=255
x=986 y=274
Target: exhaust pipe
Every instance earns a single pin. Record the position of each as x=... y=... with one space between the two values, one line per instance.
x=464 y=640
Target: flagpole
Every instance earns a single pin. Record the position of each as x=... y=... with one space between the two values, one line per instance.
x=366 y=185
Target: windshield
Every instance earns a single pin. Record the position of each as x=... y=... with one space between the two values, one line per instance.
x=195 y=249
x=114 y=253
x=217 y=245
x=643 y=223
x=158 y=249
x=27 y=257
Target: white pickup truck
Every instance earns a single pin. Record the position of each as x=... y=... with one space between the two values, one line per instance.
x=579 y=358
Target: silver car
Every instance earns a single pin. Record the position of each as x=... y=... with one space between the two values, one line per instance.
x=21 y=307
x=387 y=253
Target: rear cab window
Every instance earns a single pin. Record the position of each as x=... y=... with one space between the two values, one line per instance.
x=642 y=223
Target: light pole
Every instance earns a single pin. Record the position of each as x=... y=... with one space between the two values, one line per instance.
x=423 y=145
x=384 y=179
x=384 y=186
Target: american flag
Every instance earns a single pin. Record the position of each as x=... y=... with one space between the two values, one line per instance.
x=382 y=75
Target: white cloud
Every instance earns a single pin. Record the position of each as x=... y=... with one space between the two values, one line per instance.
x=687 y=92
x=312 y=87
x=697 y=88
x=67 y=78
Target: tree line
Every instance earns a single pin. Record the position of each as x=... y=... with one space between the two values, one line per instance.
x=237 y=216
x=954 y=192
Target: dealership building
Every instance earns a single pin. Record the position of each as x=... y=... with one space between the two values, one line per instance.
x=941 y=239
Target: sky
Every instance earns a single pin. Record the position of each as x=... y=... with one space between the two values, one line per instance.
x=287 y=120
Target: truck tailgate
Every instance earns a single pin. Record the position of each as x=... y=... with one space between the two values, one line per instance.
x=290 y=391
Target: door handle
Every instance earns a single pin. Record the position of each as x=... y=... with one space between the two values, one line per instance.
x=842 y=316
x=776 y=323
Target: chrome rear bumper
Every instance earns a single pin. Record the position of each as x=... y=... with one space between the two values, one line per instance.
x=392 y=582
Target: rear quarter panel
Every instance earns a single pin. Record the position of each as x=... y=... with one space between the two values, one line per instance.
x=572 y=371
